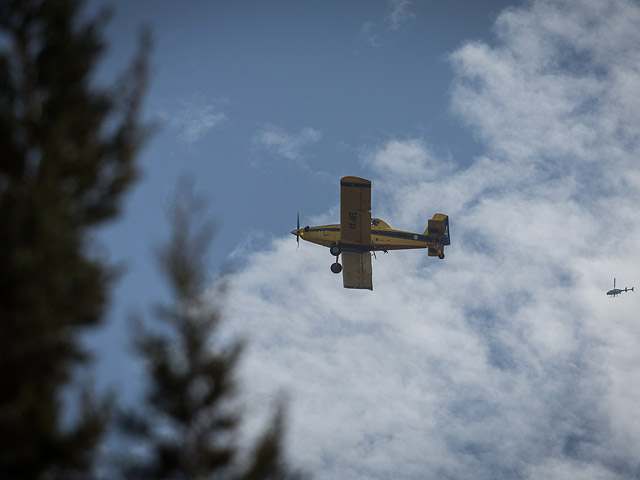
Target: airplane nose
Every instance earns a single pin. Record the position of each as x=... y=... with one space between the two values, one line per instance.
x=294 y=232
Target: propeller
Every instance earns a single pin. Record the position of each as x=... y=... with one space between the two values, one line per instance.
x=296 y=232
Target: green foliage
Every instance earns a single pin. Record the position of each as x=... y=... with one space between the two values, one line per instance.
x=67 y=157
x=190 y=421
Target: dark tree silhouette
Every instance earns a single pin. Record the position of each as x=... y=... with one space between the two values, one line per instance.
x=190 y=420
x=67 y=156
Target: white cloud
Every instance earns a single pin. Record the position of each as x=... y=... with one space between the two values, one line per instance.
x=368 y=31
x=194 y=119
x=278 y=141
x=506 y=359
x=409 y=159
x=400 y=13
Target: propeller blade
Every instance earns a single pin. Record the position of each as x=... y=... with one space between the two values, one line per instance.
x=298 y=232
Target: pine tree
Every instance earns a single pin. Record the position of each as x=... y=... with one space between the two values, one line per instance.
x=67 y=156
x=190 y=419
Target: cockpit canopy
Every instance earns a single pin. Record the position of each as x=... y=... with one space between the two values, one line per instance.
x=380 y=224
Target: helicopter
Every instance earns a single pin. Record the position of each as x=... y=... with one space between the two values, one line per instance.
x=617 y=291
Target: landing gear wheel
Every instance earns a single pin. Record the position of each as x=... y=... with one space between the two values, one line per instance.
x=441 y=256
x=335 y=250
x=336 y=267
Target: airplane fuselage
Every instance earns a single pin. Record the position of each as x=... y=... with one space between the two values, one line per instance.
x=383 y=238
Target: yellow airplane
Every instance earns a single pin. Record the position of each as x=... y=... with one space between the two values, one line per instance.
x=358 y=234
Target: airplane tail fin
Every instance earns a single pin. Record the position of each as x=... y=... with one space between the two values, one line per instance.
x=438 y=228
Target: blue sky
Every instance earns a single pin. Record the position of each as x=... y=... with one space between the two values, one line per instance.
x=520 y=120
x=267 y=104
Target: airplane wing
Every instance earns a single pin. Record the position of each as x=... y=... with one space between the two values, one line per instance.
x=356 y=270
x=355 y=211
